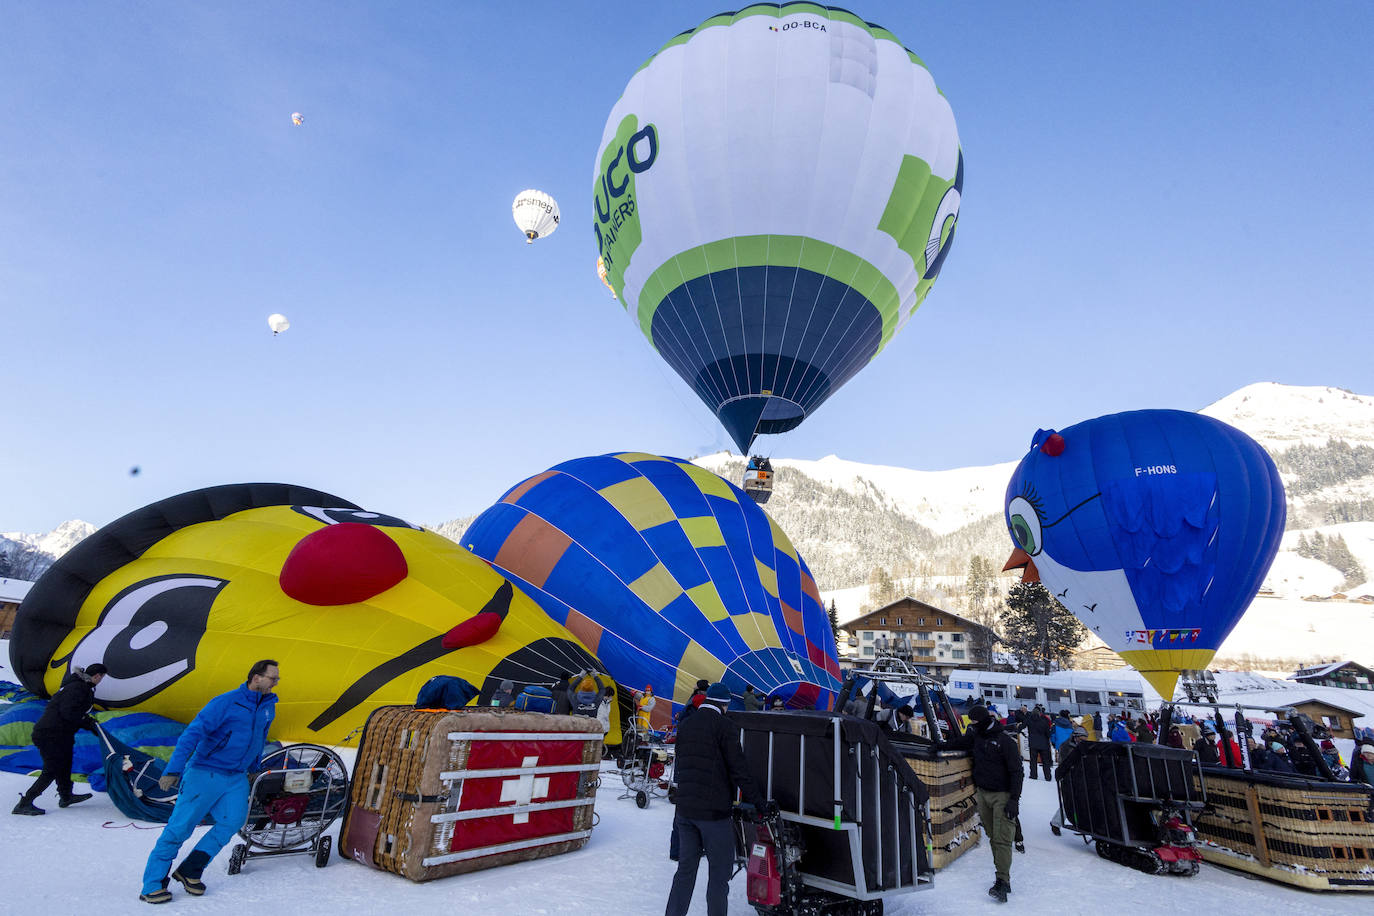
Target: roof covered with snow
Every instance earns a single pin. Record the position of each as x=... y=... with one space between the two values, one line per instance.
x=14 y=590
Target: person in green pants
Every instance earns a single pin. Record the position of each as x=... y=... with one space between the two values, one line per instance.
x=997 y=780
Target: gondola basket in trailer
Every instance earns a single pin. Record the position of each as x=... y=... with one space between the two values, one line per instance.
x=442 y=792
x=1312 y=833
x=1137 y=801
x=853 y=816
x=948 y=777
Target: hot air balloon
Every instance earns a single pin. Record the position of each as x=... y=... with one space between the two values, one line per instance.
x=601 y=274
x=297 y=118
x=536 y=213
x=1154 y=527
x=179 y=598
x=775 y=192
x=668 y=574
x=278 y=323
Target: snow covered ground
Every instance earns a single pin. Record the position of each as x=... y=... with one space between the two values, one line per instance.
x=89 y=858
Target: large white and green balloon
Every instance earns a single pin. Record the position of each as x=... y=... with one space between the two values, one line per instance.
x=775 y=192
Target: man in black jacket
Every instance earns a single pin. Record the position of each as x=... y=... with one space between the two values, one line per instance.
x=710 y=766
x=997 y=782
x=54 y=734
x=1038 y=731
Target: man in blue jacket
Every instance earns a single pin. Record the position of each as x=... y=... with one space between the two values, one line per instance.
x=211 y=761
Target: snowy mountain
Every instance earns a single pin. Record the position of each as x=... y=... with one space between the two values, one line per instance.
x=57 y=541
x=1282 y=416
x=921 y=528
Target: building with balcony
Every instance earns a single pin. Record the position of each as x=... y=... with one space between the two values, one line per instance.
x=921 y=634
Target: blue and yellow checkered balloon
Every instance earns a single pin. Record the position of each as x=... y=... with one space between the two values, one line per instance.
x=669 y=574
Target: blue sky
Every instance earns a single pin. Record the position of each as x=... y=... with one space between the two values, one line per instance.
x=1162 y=203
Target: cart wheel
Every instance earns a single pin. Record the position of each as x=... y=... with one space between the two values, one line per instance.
x=237 y=857
x=1102 y=850
x=642 y=799
x=1193 y=868
x=1054 y=829
x=322 y=851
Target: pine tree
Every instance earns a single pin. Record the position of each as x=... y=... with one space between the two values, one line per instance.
x=1338 y=555
x=1304 y=546
x=978 y=587
x=1038 y=629
x=834 y=620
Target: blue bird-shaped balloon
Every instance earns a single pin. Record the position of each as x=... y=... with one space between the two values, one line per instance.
x=1154 y=527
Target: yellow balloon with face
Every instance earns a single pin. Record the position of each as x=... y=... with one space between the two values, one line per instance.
x=359 y=609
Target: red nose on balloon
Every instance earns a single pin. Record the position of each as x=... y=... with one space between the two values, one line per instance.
x=342 y=564
x=1054 y=445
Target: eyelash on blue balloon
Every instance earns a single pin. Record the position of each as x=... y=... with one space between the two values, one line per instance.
x=1029 y=495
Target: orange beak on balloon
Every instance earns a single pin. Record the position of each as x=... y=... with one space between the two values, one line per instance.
x=1021 y=560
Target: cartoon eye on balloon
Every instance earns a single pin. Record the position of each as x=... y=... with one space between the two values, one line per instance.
x=148 y=634
x=1024 y=521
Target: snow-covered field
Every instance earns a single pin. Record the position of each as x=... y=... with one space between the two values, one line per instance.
x=89 y=858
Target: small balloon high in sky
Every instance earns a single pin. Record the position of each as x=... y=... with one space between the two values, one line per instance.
x=536 y=213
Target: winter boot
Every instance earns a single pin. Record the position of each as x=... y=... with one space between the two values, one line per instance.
x=26 y=806
x=72 y=798
x=161 y=895
x=190 y=870
x=999 y=891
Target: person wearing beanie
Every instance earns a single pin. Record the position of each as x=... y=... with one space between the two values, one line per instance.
x=54 y=734
x=504 y=695
x=997 y=780
x=751 y=700
x=1276 y=761
x=710 y=766
x=645 y=706
x=694 y=701
x=896 y=721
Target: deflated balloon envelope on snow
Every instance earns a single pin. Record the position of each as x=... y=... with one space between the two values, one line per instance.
x=179 y=598
x=668 y=574
x=775 y=192
x=1155 y=527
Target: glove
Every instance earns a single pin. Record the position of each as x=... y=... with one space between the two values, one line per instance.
x=168 y=781
x=89 y=724
x=1013 y=809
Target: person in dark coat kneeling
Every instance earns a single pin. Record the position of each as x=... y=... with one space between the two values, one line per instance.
x=710 y=766
x=54 y=734
x=997 y=782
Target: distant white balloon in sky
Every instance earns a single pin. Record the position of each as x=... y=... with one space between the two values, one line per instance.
x=297 y=118
x=277 y=323
x=536 y=213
